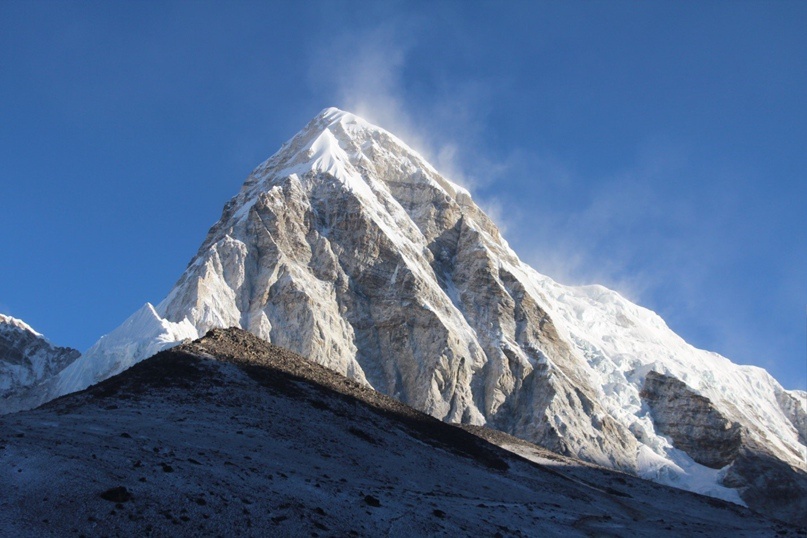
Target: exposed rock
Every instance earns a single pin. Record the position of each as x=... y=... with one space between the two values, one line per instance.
x=769 y=485
x=691 y=421
x=118 y=494
x=794 y=406
x=372 y=501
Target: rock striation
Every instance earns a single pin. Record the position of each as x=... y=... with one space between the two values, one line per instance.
x=691 y=421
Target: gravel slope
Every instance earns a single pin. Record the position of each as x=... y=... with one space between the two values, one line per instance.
x=230 y=435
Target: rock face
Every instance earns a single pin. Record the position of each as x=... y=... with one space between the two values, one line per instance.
x=766 y=483
x=794 y=406
x=27 y=360
x=769 y=485
x=692 y=421
x=348 y=248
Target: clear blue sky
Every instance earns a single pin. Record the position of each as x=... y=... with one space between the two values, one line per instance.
x=659 y=148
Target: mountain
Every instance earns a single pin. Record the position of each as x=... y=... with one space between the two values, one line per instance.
x=27 y=362
x=348 y=248
x=229 y=435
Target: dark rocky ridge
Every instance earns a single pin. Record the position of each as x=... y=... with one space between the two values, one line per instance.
x=769 y=485
x=231 y=435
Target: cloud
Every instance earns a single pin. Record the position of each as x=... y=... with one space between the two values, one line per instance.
x=675 y=235
x=364 y=71
x=643 y=231
x=660 y=230
x=598 y=234
x=361 y=71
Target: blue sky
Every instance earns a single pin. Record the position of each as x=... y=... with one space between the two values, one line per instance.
x=657 y=148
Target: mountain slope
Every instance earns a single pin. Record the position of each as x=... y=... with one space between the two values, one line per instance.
x=230 y=435
x=27 y=361
x=350 y=249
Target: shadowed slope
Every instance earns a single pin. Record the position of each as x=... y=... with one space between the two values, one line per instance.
x=231 y=435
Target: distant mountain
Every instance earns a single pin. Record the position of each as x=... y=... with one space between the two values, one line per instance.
x=347 y=247
x=230 y=435
x=27 y=361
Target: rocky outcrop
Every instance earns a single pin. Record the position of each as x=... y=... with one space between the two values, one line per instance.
x=691 y=421
x=794 y=405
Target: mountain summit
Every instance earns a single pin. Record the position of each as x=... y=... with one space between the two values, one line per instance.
x=348 y=248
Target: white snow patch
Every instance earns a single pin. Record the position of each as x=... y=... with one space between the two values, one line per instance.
x=142 y=335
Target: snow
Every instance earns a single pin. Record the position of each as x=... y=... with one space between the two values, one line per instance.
x=318 y=147
x=142 y=335
x=8 y=321
x=622 y=342
x=680 y=471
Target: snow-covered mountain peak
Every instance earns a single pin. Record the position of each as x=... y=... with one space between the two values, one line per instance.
x=118 y=350
x=350 y=122
x=348 y=248
x=347 y=147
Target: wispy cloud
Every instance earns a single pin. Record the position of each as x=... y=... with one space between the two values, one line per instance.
x=674 y=246
x=364 y=72
x=600 y=234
